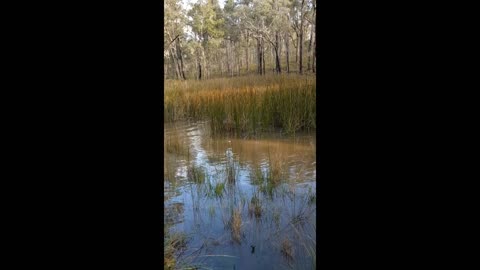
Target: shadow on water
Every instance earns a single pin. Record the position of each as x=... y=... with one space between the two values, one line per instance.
x=241 y=203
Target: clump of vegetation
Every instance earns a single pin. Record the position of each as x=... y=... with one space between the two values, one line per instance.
x=245 y=105
x=255 y=207
x=231 y=172
x=275 y=172
x=219 y=188
x=235 y=225
x=196 y=174
x=274 y=175
x=268 y=188
x=287 y=249
x=173 y=244
x=256 y=176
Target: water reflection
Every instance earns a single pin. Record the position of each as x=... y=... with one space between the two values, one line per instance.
x=244 y=203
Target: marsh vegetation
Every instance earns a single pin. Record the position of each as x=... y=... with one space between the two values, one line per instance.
x=235 y=202
x=245 y=106
x=239 y=139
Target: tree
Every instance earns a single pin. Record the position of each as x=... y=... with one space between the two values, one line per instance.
x=173 y=33
x=265 y=20
x=207 y=25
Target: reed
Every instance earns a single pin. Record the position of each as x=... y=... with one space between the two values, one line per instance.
x=219 y=188
x=245 y=105
x=256 y=175
x=196 y=174
x=287 y=249
x=173 y=243
x=255 y=207
x=231 y=172
x=276 y=166
x=235 y=225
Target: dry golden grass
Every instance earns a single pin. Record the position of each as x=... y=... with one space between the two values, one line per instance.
x=235 y=225
x=246 y=104
x=276 y=167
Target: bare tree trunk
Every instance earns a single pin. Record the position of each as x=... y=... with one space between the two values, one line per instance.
x=272 y=54
x=180 y=56
x=199 y=64
x=259 y=58
x=227 y=53
x=300 y=55
x=287 y=54
x=314 y=56
x=277 y=54
x=175 y=66
x=309 y=67
x=220 y=63
x=239 y=60
x=232 y=59
x=296 y=49
x=315 y=35
x=165 y=73
x=205 y=69
x=263 y=55
x=196 y=68
x=238 y=55
x=300 y=68
x=246 y=52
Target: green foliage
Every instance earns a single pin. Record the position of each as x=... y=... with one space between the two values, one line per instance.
x=206 y=20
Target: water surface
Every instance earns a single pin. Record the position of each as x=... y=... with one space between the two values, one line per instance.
x=278 y=218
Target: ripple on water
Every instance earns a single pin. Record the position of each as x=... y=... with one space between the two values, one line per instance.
x=287 y=214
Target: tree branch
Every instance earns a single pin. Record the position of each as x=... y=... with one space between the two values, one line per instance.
x=166 y=47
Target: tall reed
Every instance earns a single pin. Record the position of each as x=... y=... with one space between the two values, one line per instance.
x=245 y=105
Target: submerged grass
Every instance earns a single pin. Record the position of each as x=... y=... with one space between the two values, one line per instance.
x=287 y=249
x=255 y=207
x=196 y=174
x=245 y=105
x=173 y=244
x=219 y=188
x=235 y=225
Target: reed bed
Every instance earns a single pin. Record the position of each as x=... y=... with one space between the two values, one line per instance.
x=245 y=105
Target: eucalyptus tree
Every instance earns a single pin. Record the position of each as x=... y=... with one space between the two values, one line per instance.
x=206 y=23
x=174 y=23
x=265 y=19
x=310 y=17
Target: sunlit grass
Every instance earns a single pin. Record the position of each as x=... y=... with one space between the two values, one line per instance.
x=245 y=105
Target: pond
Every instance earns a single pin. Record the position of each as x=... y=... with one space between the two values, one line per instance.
x=239 y=203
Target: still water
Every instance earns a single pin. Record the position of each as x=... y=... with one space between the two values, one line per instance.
x=268 y=182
